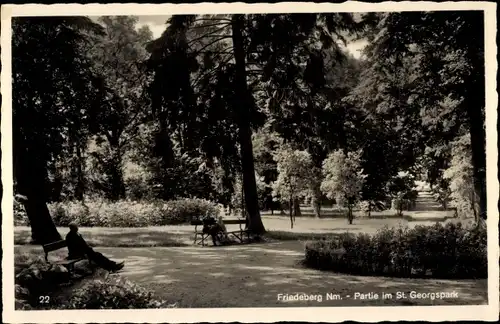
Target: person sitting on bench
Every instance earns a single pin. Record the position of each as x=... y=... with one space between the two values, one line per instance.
x=212 y=228
x=223 y=229
x=78 y=248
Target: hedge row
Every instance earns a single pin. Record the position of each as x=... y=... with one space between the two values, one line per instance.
x=450 y=251
x=124 y=213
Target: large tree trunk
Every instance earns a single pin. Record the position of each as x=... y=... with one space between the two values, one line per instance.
x=30 y=176
x=163 y=150
x=57 y=185
x=478 y=145
x=43 y=230
x=475 y=107
x=245 y=134
x=117 y=184
x=291 y=212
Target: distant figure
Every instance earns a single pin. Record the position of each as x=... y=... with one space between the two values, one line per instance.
x=78 y=248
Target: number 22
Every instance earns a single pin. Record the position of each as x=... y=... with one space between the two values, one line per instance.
x=43 y=299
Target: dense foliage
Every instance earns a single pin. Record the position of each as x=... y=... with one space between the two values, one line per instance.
x=343 y=179
x=219 y=107
x=113 y=293
x=449 y=251
x=124 y=213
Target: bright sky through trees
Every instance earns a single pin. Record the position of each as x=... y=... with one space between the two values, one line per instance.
x=157 y=26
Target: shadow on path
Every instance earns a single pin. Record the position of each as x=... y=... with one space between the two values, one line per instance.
x=254 y=275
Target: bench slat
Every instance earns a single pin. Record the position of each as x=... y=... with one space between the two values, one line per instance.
x=54 y=246
x=225 y=221
x=235 y=221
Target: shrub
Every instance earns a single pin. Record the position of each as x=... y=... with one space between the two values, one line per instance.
x=35 y=278
x=125 y=213
x=20 y=216
x=450 y=251
x=113 y=292
x=370 y=206
x=184 y=210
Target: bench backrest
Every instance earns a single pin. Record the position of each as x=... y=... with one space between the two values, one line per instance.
x=235 y=221
x=226 y=221
x=54 y=246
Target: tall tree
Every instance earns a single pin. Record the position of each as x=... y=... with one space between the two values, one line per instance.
x=447 y=84
x=243 y=59
x=460 y=175
x=294 y=176
x=265 y=143
x=119 y=56
x=343 y=179
x=51 y=81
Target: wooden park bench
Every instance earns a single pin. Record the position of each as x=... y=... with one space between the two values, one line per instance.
x=55 y=246
x=238 y=234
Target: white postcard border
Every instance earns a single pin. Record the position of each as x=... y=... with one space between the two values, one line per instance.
x=250 y=315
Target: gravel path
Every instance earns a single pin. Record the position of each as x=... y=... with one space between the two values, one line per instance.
x=254 y=275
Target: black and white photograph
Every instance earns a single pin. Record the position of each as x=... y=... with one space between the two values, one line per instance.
x=290 y=161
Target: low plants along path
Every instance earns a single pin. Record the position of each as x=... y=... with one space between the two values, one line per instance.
x=253 y=276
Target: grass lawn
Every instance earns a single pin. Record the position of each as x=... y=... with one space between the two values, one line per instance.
x=278 y=228
x=333 y=212
x=253 y=275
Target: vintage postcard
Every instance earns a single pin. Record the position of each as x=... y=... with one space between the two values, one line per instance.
x=249 y=162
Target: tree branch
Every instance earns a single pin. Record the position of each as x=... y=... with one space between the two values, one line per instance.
x=210 y=34
x=212 y=25
x=195 y=82
x=211 y=43
x=213 y=19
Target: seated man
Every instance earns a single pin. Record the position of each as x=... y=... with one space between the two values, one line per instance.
x=78 y=248
x=223 y=229
x=212 y=228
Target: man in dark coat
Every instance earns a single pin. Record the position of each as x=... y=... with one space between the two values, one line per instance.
x=78 y=248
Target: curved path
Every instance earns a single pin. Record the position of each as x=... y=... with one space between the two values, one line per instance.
x=253 y=276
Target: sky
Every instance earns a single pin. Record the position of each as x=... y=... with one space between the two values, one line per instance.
x=157 y=25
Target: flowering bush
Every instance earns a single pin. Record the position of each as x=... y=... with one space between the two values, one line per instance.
x=113 y=293
x=126 y=213
x=184 y=210
x=20 y=217
x=450 y=251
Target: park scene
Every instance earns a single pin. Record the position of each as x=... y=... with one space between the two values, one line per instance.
x=249 y=160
